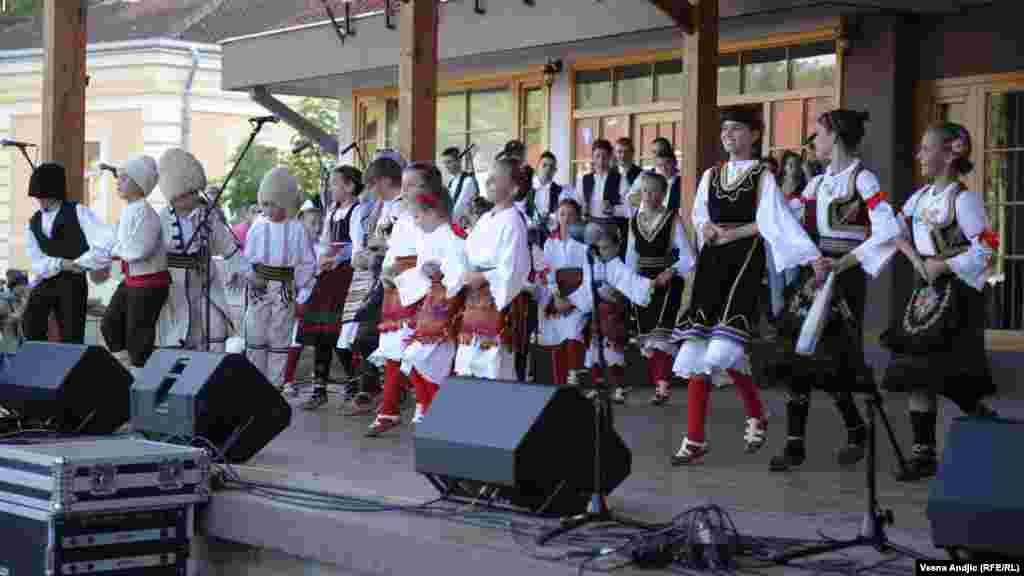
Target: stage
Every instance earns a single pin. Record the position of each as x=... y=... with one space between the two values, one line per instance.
x=324 y=450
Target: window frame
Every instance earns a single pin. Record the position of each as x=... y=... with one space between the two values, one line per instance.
x=973 y=92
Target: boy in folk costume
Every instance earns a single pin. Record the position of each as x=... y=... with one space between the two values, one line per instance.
x=280 y=257
x=602 y=193
x=565 y=298
x=61 y=240
x=371 y=226
x=852 y=223
x=494 y=321
x=947 y=236
x=658 y=249
x=183 y=319
x=737 y=211
x=321 y=324
x=129 y=324
x=433 y=286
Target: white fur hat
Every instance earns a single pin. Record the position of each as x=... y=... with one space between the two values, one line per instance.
x=281 y=188
x=143 y=171
x=180 y=173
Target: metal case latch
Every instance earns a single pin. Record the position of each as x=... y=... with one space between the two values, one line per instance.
x=103 y=480
x=171 y=475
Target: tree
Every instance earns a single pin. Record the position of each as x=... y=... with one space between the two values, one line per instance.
x=22 y=8
x=244 y=186
x=324 y=113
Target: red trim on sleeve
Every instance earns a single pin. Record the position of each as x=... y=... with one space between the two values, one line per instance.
x=877 y=199
x=459 y=231
x=990 y=237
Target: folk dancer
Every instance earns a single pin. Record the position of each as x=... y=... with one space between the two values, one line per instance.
x=462 y=188
x=738 y=209
x=182 y=321
x=321 y=323
x=659 y=250
x=602 y=193
x=536 y=235
x=852 y=222
x=370 y=227
x=494 y=320
x=311 y=218
x=434 y=285
x=61 y=240
x=279 y=255
x=947 y=236
x=129 y=323
x=397 y=321
x=565 y=298
x=548 y=194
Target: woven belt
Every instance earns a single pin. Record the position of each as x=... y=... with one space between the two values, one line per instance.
x=184 y=261
x=838 y=245
x=654 y=262
x=274 y=273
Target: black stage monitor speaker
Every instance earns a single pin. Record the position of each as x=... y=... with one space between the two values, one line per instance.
x=220 y=397
x=975 y=503
x=78 y=389
x=529 y=445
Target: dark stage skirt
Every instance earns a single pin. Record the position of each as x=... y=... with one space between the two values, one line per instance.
x=955 y=360
x=838 y=361
x=657 y=321
x=322 y=320
x=726 y=292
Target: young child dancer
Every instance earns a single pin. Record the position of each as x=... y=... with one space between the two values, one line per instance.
x=494 y=320
x=311 y=219
x=129 y=324
x=279 y=252
x=737 y=211
x=850 y=220
x=565 y=299
x=948 y=237
x=434 y=286
x=321 y=324
x=658 y=250
x=398 y=321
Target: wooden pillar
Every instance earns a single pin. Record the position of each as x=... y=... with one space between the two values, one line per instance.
x=417 y=80
x=64 y=81
x=701 y=142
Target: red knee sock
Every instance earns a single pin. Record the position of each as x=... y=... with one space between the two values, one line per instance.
x=697 y=408
x=293 y=363
x=394 y=381
x=574 y=355
x=660 y=367
x=426 y=390
x=749 y=393
x=558 y=370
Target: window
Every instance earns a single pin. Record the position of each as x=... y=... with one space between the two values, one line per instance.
x=992 y=109
x=378 y=121
x=630 y=84
x=535 y=121
x=92 y=189
x=485 y=118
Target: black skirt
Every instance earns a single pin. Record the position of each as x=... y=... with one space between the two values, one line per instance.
x=947 y=369
x=726 y=292
x=659 y=318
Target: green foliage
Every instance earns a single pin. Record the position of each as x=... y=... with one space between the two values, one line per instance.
x=324 y=113
x=245 y=184
x=23 y=8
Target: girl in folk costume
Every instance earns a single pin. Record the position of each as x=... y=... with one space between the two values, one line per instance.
x=279 y=253
x=853 y=224
x=129 y=324
x=564 y=297
x=311 y=219
x=792 y=184
x=494 y=321
x=947 y=237
x=183 y=318
x=321 y=323
x=658 y=249
x=371 y=225
x=434 y=285
x=617 y=285
x=63 y=240
x=397 y=320
x=737 y=211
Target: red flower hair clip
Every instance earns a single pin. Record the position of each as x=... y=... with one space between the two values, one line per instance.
x=426 y=200
x=990 y=238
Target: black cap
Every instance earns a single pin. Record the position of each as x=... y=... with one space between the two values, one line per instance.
x=48 y=181
x=742 y=115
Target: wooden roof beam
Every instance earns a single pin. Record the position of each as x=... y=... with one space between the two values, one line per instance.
x=681 y=11
x=64 y=81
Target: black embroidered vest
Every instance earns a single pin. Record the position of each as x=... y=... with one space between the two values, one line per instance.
x=654 y=248
x=611 y=188
x=340 y=228
x=737 y=203
x=67 y=240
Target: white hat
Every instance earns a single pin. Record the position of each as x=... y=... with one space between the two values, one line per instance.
x=281 y=188
x=180 y=174
x=143 y=171
x=308 y=206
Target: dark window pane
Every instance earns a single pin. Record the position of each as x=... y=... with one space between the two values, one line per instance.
x=491 y=110
x=729 y=74
x=813 y=65
x=1006 y=120
x=764 y=71
x=593 y=89
x=635 y=84
x=670 y=82
x=1004 y=172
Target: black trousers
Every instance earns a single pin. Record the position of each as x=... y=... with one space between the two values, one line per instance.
x=67 y=295
x=130 y=321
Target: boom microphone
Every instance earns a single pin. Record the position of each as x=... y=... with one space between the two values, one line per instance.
x=262 y=119
x=16 y=143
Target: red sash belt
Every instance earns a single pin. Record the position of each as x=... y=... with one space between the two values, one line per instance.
x=160 y=279
x=438 y=317
x=393 y=315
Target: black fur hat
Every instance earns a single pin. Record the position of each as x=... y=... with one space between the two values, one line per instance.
x=48 y=181
x=742 y=115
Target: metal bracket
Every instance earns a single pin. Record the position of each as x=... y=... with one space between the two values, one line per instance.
x=478 y=8
x=342 y=34
x=389 y=11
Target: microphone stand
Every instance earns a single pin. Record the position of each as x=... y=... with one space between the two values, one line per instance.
x=597 y=511
x=27 y=158
x=211 y=208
